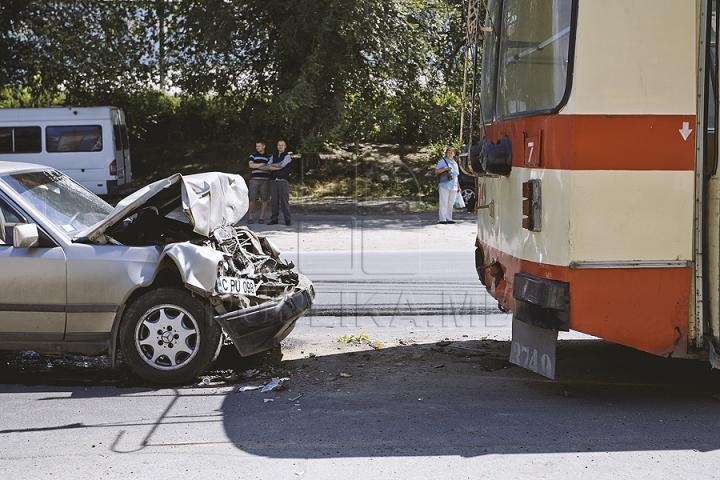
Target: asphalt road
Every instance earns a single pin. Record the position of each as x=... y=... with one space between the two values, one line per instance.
x=427 y=393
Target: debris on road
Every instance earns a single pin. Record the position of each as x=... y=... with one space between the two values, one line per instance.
x=266 y=400
x=247 y=388
x=295 y=398
x=275 y=384
x=216 y=379
x=362 y=338
x=346 y=375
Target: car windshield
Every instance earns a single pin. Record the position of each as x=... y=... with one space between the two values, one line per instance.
x=59 y=199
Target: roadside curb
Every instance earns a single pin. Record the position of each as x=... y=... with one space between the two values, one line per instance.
x=362 y=205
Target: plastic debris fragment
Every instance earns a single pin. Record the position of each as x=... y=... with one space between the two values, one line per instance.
x=246 y=388
x=275 y=384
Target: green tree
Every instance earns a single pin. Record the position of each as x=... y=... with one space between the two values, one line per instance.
x=309 y=70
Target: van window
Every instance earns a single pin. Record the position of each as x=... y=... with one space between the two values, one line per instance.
x=20 y=140
x=74 y=138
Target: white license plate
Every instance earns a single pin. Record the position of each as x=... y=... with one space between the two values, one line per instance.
x=236 y=285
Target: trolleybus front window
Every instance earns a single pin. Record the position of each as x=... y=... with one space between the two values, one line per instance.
x=534 y=54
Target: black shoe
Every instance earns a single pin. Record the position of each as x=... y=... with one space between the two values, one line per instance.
x=442 y=223
x=288 y=222
x=449 y=221
x=272 y=222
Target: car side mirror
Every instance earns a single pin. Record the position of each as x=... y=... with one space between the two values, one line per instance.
x=26 y=236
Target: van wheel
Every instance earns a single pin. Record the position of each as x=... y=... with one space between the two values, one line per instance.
x=169 y=336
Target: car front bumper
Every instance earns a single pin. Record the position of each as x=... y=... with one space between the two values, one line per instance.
x=264 y=326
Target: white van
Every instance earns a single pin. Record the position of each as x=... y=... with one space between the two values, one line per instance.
x=89 y=144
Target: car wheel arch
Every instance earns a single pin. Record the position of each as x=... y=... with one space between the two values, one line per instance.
x=167 y=274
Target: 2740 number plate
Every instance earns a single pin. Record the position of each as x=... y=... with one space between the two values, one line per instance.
x=236 y=286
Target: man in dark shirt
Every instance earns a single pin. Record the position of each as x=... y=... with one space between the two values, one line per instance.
x=259 y=181
x=279 y=168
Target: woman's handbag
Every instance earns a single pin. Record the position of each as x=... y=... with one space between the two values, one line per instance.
x=445 y=176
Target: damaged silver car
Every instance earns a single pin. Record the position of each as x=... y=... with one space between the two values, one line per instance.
x=164 y=277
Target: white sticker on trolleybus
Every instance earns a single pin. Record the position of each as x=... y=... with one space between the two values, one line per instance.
x=236 y=286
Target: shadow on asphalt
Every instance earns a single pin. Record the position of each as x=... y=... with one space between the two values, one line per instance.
x=414 y=401
x=461 y=398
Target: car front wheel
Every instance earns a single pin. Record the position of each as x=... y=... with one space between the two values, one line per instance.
x=169 y=336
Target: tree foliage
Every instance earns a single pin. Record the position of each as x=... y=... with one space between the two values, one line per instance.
x=312 y=71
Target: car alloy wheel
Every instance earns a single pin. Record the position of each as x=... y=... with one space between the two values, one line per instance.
x=467 y=195
x=168 y=335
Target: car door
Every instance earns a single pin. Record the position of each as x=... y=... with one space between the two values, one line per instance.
x=33 y=286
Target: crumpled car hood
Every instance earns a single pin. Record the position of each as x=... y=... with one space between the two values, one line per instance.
x=209 y=201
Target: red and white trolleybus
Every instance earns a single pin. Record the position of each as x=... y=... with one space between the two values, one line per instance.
x=592 y=135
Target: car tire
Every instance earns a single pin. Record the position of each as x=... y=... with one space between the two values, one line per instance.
x=168 y=336
x=468 y=195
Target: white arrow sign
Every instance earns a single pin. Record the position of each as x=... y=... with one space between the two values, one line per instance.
x=686 y=130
